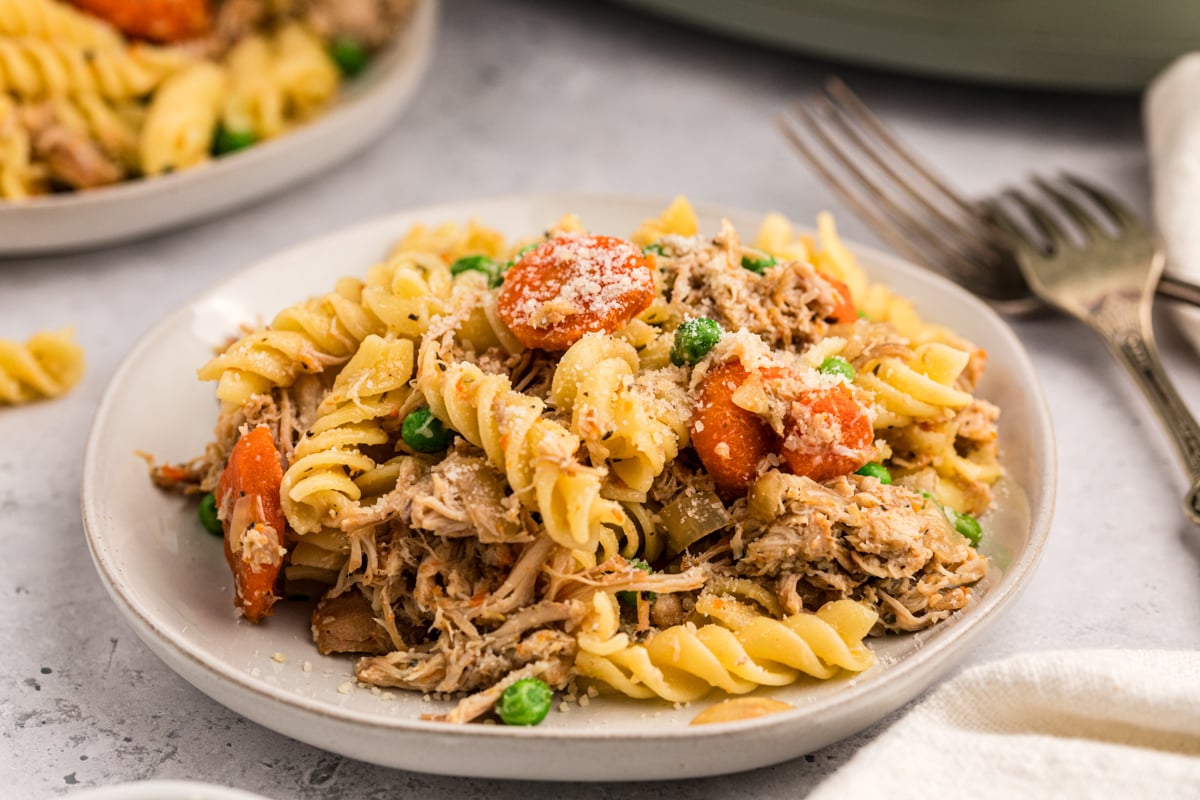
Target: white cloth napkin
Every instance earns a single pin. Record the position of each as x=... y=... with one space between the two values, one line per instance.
x=1172 y=120
x=1068 y=724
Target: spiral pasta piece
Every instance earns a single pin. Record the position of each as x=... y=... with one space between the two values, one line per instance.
x=32 y=69
x=254 y=102
x=182 y=117
x=399 y=298
x=594 y=382
x=918 y=389
x=303 y=70
x=18 y=178
x=738 y=652
x=536 y=454
x=47 y=365
x=60 y=22
x=322 y=480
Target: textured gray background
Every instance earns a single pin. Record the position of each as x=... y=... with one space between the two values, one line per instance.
x=523 y=96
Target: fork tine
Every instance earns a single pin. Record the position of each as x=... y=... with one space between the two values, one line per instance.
x=950 y=257
x=877 y=222
x=1009 y=225
x=1081 y=216
x=1045 y=223
x=838 y=89
x=852 y=116
x=1121 y=214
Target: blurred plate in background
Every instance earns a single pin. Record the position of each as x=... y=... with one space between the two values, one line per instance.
x=1098 y=45
x=57 y=223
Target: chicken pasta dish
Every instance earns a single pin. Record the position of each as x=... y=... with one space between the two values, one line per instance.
x=664 y=465
x=94 y=92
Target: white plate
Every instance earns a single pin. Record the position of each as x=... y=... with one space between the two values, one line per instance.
x=169 y=579
x=164 y=790
x=63 y=222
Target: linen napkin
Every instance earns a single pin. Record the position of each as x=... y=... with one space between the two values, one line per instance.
x=1062 y=724
x=1171 y=115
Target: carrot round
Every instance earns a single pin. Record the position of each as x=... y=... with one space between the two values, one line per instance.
x=730 y=441
x=844 y=312
x=248 y=496
x=159 y=20
x=574 y=285
x=827 y=434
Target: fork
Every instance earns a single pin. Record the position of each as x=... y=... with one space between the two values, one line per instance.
x=1101 y=267
x=908 y=205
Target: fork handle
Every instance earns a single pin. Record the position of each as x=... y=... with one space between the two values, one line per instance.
x=1134 y=346
x=1179 y=289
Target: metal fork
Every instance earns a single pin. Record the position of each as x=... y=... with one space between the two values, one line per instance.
x=1101 y=267
x=909 y=206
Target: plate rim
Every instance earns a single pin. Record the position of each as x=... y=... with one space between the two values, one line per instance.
x=1000 y=597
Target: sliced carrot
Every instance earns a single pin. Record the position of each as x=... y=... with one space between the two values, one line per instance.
x=730 y=440
x=248 y=497
x=827 y=434
x=574 y=285
x=844 y=312
x=158 y=20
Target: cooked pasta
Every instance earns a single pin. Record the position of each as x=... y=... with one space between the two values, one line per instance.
x=367 y=395
x=33 y=69
x=398 y=298
x=48 y=365
x=537 y=455
x=176 y=135
x=670 y=471
x=594 y=383
x=738 y=652
x=47 y=19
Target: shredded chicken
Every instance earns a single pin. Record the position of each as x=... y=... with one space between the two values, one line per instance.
x=884 y=545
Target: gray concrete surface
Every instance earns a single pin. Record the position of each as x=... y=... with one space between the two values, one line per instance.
x=528 y=95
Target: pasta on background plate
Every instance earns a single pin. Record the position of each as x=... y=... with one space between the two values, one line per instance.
x=658 y=466
x=94 y=92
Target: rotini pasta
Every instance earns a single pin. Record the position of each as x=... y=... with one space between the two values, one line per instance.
x=398 y=298
x=594 y=382
x=48 y=365
x=33 y=69
x=369 y=392
x=181 y=116
x=687 y=469
x=536 y=454
x=45 y=19
x=738 y=652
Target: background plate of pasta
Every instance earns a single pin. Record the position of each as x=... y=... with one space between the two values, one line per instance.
x=121 y=118
x=570 y=487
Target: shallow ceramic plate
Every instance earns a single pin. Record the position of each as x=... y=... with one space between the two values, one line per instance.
x=58 y=223
x=165 y=790
x=169 y=579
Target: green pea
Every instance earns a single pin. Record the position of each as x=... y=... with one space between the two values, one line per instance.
x=630 y=598
x=208 y=515
x=967 y=525
x=424 y=432
x=476 y=263
x=873 y=469
x=836 y=365
x=653 y=247
x=227 y=141
x=758 y=265
x=526 y=702
x=693 y=339
x=349 y=55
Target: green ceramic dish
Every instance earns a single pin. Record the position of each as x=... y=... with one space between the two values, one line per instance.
x=1099 y=45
